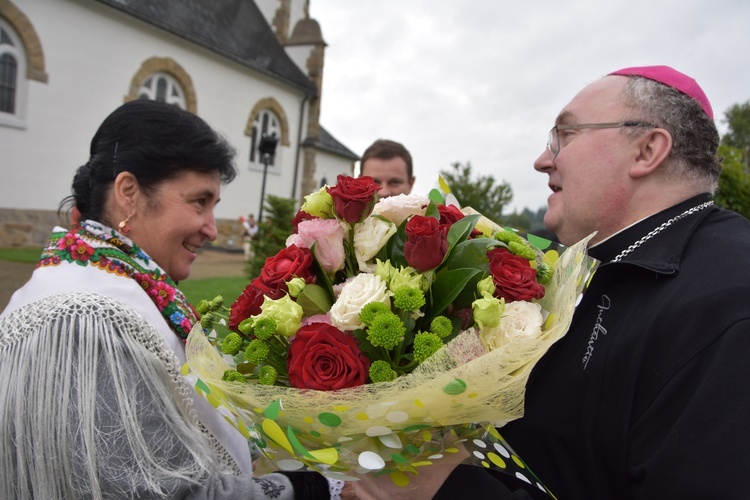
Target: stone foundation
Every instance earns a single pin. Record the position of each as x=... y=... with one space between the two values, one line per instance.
x=31 y=228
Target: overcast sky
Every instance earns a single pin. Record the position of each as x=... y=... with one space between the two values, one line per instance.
x=482 y=80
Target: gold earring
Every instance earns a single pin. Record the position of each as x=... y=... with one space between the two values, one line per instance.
x=123 y=226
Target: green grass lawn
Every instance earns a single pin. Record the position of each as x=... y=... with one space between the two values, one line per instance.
x=194 y=290
x=229 y=288
x=28 y=255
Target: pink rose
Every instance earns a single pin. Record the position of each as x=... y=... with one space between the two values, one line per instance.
x=328 y=237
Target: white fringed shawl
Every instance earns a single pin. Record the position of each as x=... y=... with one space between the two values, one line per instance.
x=92 y=405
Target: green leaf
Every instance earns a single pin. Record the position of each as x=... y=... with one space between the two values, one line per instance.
x=436 y=196
x=461 y=230
x=314 y=300
x=471 y=253
x=395 y=247
x=448 y=284
x=432 y=211
x=369 y=350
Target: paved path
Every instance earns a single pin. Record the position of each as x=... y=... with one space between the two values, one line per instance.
x=209 y=264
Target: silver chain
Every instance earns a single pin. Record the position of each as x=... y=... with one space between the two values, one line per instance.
x=661 y=228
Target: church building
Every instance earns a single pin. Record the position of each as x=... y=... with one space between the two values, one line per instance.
x=248 y=67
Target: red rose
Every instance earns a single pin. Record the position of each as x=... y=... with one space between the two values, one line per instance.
x=426 y=243
x=353 y=199
x=247 y=304
x=324 y=358
x=290 y=262
x=450 y=214
x=513 y=276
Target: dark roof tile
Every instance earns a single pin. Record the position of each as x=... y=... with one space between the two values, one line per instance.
x=233 y=28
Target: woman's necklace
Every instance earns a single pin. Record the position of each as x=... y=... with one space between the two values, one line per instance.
x=661 y=228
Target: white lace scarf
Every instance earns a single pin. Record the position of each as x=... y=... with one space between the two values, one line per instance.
x=61 y=436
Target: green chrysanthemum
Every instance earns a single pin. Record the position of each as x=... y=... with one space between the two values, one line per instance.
x=246 y=326
x=381 y=371
x=203 y=307
x=216 y=302
x=233 y=376
x=386 y=331
x=441 y=326
x=425 y=345
x=368 y=313
x=207 y=320
x=231 y=344
x=522 y=249
x=408 y=298
x=264 y=328
x=508 y=236
x=257 y=351
x=267 y=375
x=544 y=273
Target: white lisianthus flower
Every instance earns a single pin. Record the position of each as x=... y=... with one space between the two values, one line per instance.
x=401 y=207
x=356 y=293
x=519 y=320
x=369 y=237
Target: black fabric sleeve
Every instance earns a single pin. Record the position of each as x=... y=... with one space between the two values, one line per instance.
x=307 y=485
x=477 y=483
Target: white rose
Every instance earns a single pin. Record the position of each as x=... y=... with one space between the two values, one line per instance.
x=369 y=237
x=356 y=293
x=401 y=207
x=519 y=320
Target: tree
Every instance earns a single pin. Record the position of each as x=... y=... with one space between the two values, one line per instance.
x=273 y=231
x=481 y=193
x=734 y=181
x=737 y=118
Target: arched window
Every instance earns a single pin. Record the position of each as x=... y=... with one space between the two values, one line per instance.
x=162 y=87
x=163 y=79
x=12 y=77
x=266 y=122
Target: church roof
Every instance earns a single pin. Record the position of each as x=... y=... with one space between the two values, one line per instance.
x=327 y=142
x=233 y=28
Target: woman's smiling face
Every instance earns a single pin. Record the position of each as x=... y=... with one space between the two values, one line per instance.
x=173 y=222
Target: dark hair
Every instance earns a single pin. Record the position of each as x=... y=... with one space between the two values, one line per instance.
x=695 y=139
x=154 y=141
x=385 y=150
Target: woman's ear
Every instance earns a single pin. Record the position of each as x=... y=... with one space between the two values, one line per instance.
x=126 y=192
x=654 y=149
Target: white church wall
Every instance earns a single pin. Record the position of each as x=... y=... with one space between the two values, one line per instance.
x=91 y=54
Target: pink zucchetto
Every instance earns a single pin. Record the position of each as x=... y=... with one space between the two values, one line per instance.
x=672 y=78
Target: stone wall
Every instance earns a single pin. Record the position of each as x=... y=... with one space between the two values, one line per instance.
x=27 y=228
x=31 y=228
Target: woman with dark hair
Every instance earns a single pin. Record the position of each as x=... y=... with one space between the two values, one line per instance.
x=93 y=404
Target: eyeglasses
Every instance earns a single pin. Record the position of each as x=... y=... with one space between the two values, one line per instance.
x=553 y=142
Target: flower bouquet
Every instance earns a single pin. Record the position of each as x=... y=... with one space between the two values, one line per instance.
x=387 y=336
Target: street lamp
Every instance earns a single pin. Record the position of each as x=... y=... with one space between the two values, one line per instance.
x=266 y=148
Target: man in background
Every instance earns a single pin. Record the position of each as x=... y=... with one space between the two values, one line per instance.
x=389 y=163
